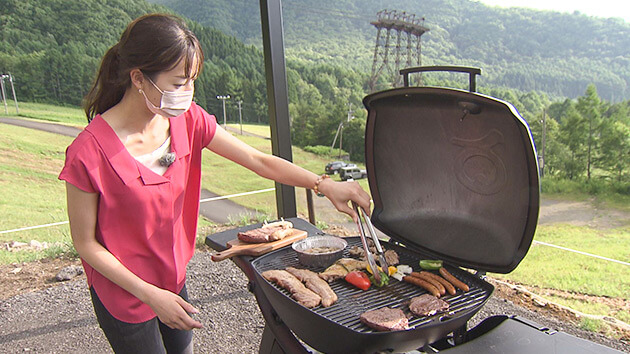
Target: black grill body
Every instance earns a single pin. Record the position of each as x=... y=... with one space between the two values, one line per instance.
x=337 y=329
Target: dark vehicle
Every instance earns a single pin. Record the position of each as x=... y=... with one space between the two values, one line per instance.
x=351 y=172
x=332 y=168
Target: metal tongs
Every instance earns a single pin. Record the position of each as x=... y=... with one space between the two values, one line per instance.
x=379 y=250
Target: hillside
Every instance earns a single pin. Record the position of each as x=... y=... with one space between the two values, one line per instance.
x=517 y=48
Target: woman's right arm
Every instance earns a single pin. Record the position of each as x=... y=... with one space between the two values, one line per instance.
x=82 y=211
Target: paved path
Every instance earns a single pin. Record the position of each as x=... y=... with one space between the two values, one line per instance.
x=45 y=126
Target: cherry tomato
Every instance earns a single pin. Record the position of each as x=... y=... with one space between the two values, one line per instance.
x=358 y=279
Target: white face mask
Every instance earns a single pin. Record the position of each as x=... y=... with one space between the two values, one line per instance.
x=172 y=104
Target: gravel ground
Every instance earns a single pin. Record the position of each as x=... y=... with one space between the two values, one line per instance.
x=60 y=319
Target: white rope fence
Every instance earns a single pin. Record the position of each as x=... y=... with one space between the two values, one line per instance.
x=582 y=253
x=212 y=199
x=200 y=201
x=235 y=195
x=34 y=227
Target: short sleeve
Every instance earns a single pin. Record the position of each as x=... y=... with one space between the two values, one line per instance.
x=206 y=124
x=75 y=171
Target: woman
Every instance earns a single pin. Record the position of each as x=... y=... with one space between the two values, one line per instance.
x=133 y=183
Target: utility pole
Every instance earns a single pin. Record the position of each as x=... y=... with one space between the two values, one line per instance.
x=240 y=114
x=336 y=135
x=340 y=140
x=17 y=110
x=544 y=137
x=223 y=98
x=350 y=112
x=4 y=96
x=340 y=130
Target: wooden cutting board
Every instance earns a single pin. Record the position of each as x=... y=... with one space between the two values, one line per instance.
x=240 y=248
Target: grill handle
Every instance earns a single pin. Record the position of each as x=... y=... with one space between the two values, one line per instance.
x=472 y=72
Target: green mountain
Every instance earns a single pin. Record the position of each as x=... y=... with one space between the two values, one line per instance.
x=53 y=49
x=516 y=48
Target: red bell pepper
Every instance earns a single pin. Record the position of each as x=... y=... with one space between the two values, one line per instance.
x=358 y=279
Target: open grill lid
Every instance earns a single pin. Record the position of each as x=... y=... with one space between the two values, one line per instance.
x=453 y=174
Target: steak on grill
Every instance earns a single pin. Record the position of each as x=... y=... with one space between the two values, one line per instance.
x=316 y=284
x=385 y=319
x=427 y=305
x=299 y=292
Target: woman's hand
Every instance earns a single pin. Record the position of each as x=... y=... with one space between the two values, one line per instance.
x=340 y=193
x=172 y=310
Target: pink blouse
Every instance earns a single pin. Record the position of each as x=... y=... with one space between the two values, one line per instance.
x=146 y=220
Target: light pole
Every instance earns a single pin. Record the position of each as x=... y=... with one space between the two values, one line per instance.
x=223 y=98
x=240 y=114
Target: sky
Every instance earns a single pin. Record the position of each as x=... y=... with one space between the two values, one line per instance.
x=599 y=8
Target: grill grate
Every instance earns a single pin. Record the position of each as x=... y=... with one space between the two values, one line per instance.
x=353 y=302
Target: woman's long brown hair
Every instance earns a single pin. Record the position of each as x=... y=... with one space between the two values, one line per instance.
x=151 y=43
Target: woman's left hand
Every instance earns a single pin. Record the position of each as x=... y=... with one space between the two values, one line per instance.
x=341 y=193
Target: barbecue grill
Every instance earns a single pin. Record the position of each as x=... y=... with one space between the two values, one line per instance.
x=454 y=176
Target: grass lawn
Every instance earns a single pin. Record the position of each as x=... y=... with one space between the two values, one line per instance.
x=259 y=129
x=30 y=193
x=70 y=115
x=551 y=268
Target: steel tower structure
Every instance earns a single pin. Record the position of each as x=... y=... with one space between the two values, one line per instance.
x=398 y=37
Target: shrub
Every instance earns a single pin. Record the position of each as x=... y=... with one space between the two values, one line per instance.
x=321 y=150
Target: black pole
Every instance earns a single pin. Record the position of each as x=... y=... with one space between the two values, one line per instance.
x=277 y=97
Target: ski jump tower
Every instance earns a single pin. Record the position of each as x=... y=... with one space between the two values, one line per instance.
x=395 y=46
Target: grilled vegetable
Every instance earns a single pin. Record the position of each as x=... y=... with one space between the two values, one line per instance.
x=430 y=264
x=390 y=270
x=384 y=279
x=401 y=271
x=358 y=279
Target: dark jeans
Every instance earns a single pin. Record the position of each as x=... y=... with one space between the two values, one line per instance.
x=150 y=337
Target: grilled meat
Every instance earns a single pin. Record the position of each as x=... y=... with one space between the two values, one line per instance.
x=427 y=305
x=316 y=284
x=356 y=251
x=341 y=267
x=390 y=255
x=267 y=233
x=299 y=292
x=451 y=279
x=334 y=272
x=385 y=319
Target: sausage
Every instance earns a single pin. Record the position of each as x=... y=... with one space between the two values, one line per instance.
x=431 y=280
x=422 y=283
x=448 y=276
x=449 y=287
